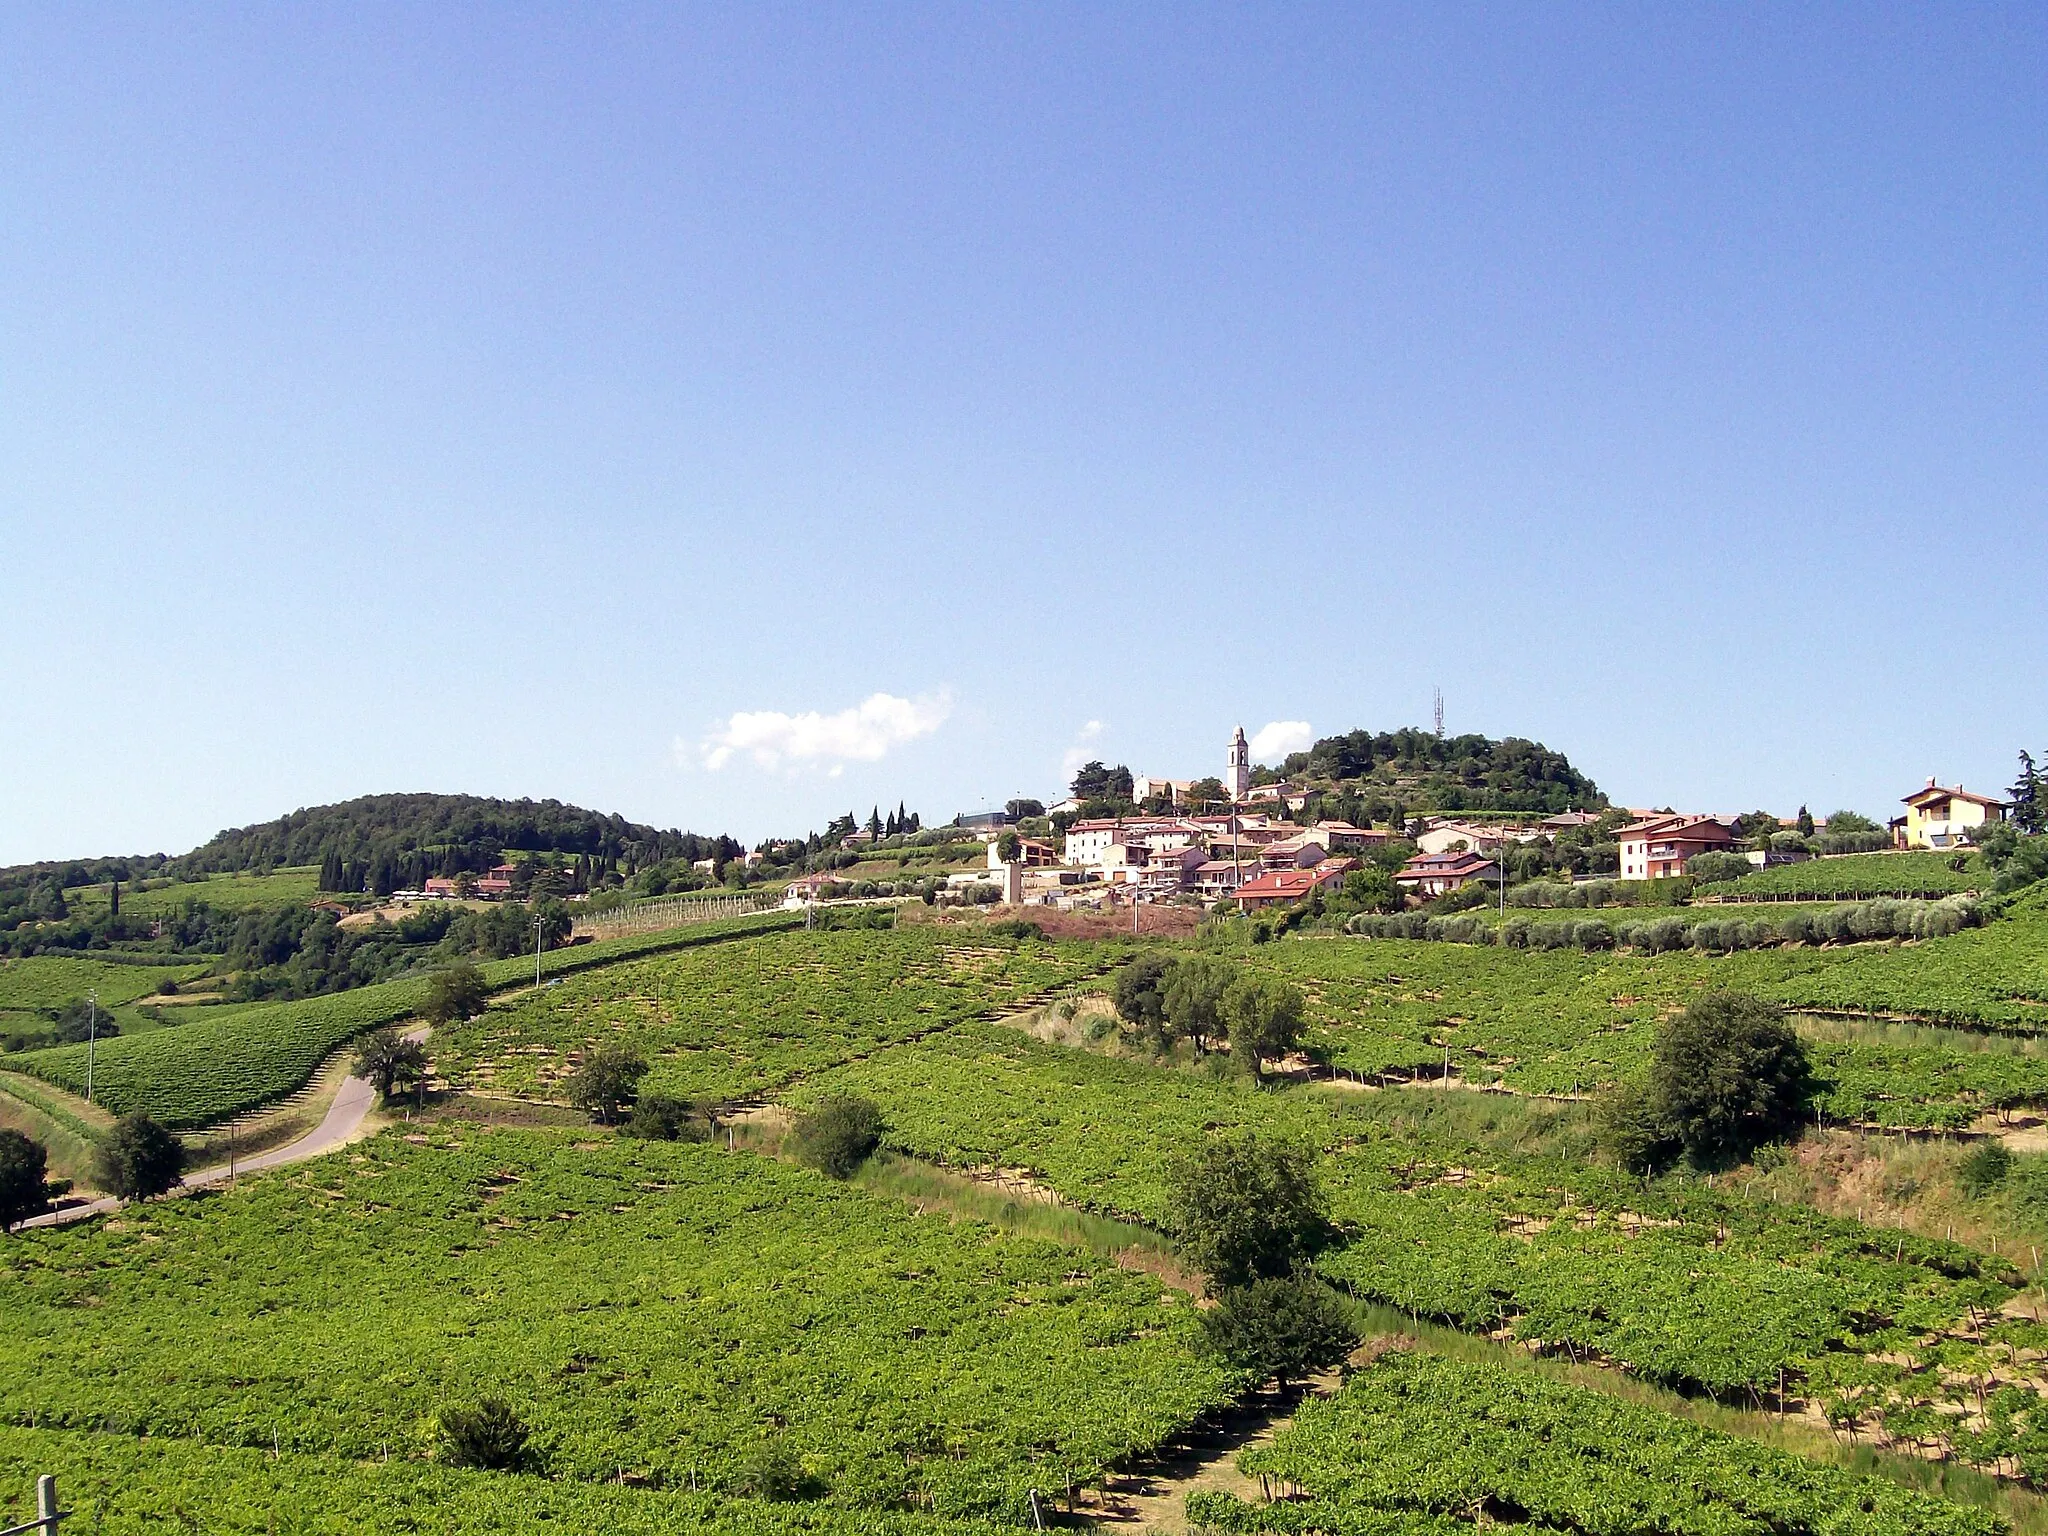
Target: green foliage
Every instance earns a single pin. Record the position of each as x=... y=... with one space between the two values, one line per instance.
x=129 y=1485
x=456 y=993
x=1139 y=995
x=606 y=1081
x=1984 y=1167
x=773 y=1471
x=1455 y=773
x=1854 y=877
x=1695 y=1287
x=756 y=1015
x=1419 y=1438
x=837 y=1135
x=1245 y=1207
x=24 y=1184
x=1709 y=867
x=139 y=1159
x=1280 y=1329
x=486 y=1436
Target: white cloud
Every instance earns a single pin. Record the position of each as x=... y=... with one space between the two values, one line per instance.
x=1277 y=738
x=1079 y=752
x=863 y=733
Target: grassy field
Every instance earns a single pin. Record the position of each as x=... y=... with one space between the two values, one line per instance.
x=33 y=988
x=292 y=886
x=657 y=1309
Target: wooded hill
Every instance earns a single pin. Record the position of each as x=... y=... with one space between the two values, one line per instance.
x=462 y=831
x=1422 y=771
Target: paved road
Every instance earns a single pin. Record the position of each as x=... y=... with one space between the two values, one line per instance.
x=352 y=1103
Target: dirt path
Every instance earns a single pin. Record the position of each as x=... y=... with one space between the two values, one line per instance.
x=1153 y=1496
x=342 y=1124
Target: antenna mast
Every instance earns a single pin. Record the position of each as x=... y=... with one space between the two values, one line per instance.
x=1439 y=712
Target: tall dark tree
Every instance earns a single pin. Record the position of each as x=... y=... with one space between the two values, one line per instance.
x=2026 y=809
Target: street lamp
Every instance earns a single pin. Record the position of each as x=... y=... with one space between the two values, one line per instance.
x=92 y=1031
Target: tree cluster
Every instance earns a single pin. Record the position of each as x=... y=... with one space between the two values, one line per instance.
x=1203 y=999
x=1249 y=1212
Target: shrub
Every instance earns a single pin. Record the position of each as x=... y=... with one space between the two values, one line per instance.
x=772 y=1470
x=837 y=1136
x=1985 y=1168
x=1280 y=1329
x=1717 y=866
x=1263 y=1015
x=139 y=1159
x=659 y=1117
x=1633 y=1126
x=1593 y=934
x=486 y=1436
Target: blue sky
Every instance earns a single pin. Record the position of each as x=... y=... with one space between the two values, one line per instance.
x=505 y=399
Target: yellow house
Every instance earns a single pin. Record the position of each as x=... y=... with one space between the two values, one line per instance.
x=1944 y=818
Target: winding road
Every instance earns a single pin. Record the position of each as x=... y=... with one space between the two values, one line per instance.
x=352 y=1104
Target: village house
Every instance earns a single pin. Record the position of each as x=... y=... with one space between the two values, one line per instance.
x=1281 y=885
x=1658 y=846
x=1430 y=875
x=1304 y=850
x=1216 y=878
x=1173 y=791
x=1031 y=853
x=1445 y=836
x=1944 y=818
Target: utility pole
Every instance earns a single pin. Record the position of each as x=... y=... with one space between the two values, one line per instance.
x=536 y=953
x=92 y=1032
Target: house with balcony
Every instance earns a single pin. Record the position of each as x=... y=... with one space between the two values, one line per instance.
x=1945 y=818
x=1429 y=875
x=1657 y=847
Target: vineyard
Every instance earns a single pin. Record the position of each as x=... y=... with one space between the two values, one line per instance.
x=198 y=1073
x=1695 y=1287
x=122 y=1486
x=1419 y=1444
x=743 y=1019
x=656 y=1311
x=1564 y=1021
x=1855 y=877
